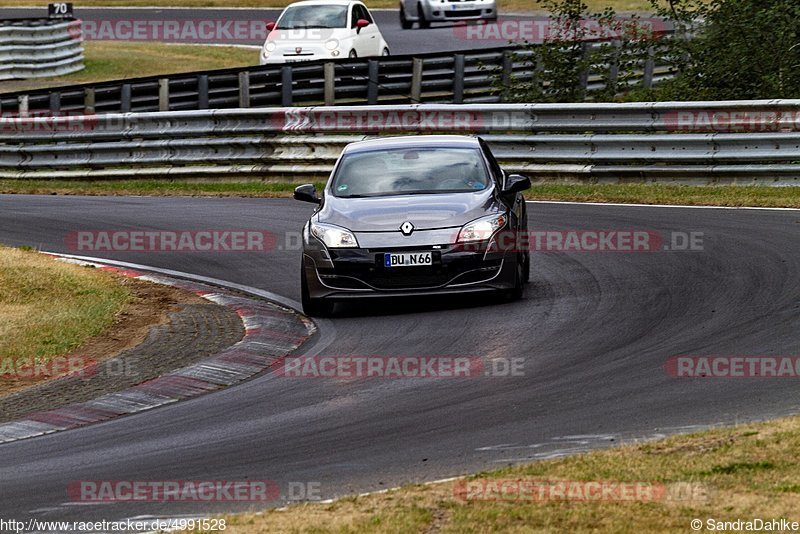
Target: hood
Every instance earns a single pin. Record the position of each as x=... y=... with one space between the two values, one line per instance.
x=425 y=212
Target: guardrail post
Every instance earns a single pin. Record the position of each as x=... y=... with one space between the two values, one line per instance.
x=163 y=94
x=125 y=98
x=244 y=89
x=458 y=79
x=613 y=67
x=55 y=103
x=202 y=91
x=538 y=70
x=583 y=82
x=286 y=86
x=88 y=101
x=649 y=68
x=506 y=76
x=416 y=80
x=329 y=73
x=372 y=84
x=22 y=106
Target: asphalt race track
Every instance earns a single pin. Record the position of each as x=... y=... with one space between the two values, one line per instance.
x=441 y=37
x=594 y=329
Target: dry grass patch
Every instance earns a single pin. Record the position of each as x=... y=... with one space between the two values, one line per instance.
x=744 y=472
x=49 y=307
x=116 y=60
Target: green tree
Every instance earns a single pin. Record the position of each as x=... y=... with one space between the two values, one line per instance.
x=734 y=49
x=581 y=44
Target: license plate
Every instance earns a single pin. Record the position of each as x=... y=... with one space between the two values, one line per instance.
x=407 y=259
x=458 y=7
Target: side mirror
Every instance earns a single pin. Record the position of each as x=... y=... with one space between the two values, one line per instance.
x=307 y=193
x=270 y=26
x=361 y=23
x=516 y=183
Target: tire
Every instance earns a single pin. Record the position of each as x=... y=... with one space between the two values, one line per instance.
x=404 y=22
x=526 y=271
x=312 y=307
x=353 y=54
x=385 y=52
x=423 y=22
x=515 y=293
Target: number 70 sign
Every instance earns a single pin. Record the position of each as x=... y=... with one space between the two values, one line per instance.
x=59 y=10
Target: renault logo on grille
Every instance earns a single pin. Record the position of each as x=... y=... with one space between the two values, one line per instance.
x=407 y=228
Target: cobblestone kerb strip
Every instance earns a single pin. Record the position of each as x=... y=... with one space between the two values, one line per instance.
x=271 y=333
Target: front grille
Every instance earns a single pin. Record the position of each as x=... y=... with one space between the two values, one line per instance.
x=409 y=280
x=462 y=13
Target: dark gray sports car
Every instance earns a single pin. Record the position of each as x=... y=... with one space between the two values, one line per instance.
x=414 y=215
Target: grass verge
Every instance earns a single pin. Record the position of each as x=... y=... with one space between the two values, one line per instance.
x=733 y=196
x=743 y=472
x=718 y=195
x=48 y=308
x=114 y=60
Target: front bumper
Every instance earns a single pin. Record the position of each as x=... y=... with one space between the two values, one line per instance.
x=283 y=54
x=357 y=273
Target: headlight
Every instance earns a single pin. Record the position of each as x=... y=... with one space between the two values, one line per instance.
x=270 y=46
x=481 y=229
x=334 y=236
x=331 y=44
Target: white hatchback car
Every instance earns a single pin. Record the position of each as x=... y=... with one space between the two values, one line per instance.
x=323 y=29
x=423 y=12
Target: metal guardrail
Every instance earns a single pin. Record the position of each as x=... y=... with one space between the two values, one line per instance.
x=465 y=77
x=36 y=48
x=743 y=141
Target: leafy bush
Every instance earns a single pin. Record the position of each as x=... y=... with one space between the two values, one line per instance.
x=564 y=61
x=741 y=49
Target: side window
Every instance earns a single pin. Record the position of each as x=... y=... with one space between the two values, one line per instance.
x=493 y=165
x=365 y=14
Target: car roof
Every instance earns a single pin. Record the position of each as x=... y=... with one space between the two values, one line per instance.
x=322 y=3
x=414 y=141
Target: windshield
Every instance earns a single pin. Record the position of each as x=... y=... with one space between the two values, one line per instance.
x=410 y=171
x=317 y=16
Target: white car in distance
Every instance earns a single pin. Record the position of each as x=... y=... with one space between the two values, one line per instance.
x=423 y=12
x=323 y=29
